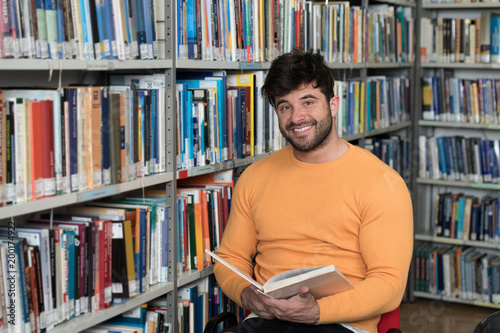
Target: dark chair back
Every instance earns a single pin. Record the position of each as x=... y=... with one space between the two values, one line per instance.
x=490 y=324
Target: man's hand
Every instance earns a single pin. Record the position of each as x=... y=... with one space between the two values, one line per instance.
x=253 y=300
x=301 y=308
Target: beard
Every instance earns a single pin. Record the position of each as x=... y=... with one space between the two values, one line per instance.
x=323 y=129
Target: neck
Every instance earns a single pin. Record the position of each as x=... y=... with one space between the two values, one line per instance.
x=335 y=148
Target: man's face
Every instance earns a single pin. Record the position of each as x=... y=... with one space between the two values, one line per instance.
x=305 y=118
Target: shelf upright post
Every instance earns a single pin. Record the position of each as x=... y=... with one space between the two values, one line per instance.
x=170 y=155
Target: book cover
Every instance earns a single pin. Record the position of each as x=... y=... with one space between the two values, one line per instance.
x=48 y=148
x=321 y=281
x=495 y=39
x=36 y=137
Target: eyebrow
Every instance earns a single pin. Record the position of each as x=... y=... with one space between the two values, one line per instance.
x=302 y=98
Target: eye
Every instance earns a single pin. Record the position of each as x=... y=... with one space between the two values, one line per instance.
x=308 y=103
x=284 y=108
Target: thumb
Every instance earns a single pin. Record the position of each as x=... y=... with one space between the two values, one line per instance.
x=304 y=291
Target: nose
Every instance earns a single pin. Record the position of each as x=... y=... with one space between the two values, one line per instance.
x=298 y=115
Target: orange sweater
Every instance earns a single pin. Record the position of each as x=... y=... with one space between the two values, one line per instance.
x=354 y=212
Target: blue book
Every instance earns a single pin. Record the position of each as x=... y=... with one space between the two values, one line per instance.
x=148 y=18
x=85 y=21
x=460 y=219
x=442 y=157
x=110 y=32
x=140 y=25
x=495 y=42
x=103 y=46
x=435 y=97
x=485 y=161
x=60 y=30
x=191 y=28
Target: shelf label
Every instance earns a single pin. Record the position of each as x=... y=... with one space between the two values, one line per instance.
x=203 y=170
x=96 y=194
x=98 y=65
x=250 y=65
x=486 y=186
x=494 y=126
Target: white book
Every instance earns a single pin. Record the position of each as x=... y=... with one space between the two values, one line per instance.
x=322 y=281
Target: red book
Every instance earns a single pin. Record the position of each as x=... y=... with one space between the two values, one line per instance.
x=49 y=174
x=36 y=146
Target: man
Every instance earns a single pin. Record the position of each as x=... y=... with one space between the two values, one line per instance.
x=317 y=202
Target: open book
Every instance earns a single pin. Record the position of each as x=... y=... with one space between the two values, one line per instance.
x=322 y=281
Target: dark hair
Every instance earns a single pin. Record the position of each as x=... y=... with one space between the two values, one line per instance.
x=291 y=70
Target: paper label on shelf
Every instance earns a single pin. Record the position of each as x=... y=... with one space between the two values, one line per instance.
x=225 y=176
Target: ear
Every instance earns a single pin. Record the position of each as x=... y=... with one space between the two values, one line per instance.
x=334 y=105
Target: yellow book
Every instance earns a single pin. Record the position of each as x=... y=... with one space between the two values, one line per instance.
x=356 y=108
x=129 y=254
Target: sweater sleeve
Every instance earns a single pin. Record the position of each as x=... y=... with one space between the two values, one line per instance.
x=386 y=242
x=238 y=246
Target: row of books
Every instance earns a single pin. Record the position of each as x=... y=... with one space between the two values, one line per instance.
x=82 y=260
x=452 y=99
x=224 y=116
x=200 y=301
x=79 y=138
x=236 y=30
x=380 y=102
x=393 y=151
x=458 y=272
x=467 y=217
x=203 y=206
x=79 y=29
x=456 y=40
x=457 y=158
x=458 y=1
x=147 y=318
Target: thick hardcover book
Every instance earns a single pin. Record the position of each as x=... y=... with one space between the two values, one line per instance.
x=322 y=281
x=122 y=259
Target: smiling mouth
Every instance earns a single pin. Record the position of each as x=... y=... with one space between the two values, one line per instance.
x=302 y=129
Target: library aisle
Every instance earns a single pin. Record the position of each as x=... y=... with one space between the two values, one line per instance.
x=433 y=316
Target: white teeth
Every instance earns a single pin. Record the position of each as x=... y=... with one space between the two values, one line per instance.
x=302 y=129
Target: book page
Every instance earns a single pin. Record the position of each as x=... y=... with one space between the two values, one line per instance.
x=234 y=269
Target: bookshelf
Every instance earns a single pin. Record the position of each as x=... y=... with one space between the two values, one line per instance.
x=27 y=73
x=441 y=196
